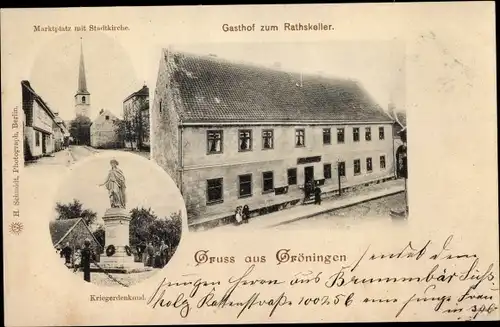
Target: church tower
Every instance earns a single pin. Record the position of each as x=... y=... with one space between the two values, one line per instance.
x=82 y=96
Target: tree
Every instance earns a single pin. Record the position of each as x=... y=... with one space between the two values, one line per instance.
x=139 y=225
x=75 y=210
x=79 y=129
x=146 y=226
x=136 y=122
x=100 y=235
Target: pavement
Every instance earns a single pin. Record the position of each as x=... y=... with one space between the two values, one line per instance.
x=64 y=157
x=300 y=212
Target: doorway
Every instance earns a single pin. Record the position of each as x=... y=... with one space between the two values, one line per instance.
x=308 y=174
x=44 y=144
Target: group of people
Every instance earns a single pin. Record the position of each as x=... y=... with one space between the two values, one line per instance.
x=153 y=255
x=78 y=260
x=242 y=214
x=311 y=188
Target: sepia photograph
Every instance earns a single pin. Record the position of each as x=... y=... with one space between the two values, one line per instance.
x=248 y=164
x=110 y=226
x=284 y=135
x=92 y=103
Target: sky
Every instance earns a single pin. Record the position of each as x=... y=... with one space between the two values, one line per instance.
x=110 y=74
x=114 y=69
x=146 y=185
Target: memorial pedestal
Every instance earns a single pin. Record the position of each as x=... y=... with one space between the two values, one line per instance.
x=116 y=226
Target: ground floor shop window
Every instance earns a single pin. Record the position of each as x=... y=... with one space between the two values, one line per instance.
x=342 y=169
x=267 y=181
x=369 y=167
x=245 y=182
x=327 y=171
x=37 y=138
x=382 y=162
x=357 y=167
x=214 y=190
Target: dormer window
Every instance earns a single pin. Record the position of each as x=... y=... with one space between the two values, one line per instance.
x=107 y=117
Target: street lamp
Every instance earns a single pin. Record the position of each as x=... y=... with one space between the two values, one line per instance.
x=339 y=177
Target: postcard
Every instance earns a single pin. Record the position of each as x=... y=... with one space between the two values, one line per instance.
x=250 y=164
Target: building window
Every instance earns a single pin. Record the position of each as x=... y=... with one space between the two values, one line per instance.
x=369 y=167
x=214 y=142
x=245 y=140
x=368 y=134
x=214 y=191
x=160 y=106
x=37 y=138
x=355 y=134
x=341 y=169
x=357 y=167
x=292 y=176
x=83 y=99
x=381 y=133
x=300 y=137
x=340 y=135
x=382 y=162
x=327 y=171
x=267 y=139
x=327 y=136
x=107 y=117
x=245 y=182
x=267 y=181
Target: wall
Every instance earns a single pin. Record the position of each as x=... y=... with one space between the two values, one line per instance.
x=30 y=137
x=200 y=166
x=165 y=133
x=103 y=133
x=82 y=108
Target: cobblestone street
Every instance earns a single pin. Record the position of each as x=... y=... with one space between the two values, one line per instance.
x=370 y=212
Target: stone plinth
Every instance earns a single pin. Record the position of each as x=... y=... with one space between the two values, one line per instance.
x=116 y=227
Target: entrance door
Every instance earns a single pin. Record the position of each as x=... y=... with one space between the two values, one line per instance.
x=44 y=144
x=308 y=174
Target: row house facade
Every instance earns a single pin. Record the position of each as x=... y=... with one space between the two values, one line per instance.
x=136 y=119
x=44 y=131
x=234 y=134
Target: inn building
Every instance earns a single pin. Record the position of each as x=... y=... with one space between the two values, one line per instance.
x=233 y=134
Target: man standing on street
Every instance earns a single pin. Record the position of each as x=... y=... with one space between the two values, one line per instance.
x=87 y=257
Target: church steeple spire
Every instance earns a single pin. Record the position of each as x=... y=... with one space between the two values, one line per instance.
x=82 y=81
x=82 y=96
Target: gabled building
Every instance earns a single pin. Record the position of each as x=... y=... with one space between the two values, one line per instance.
x=233 y=134
x=73 y=231
x=39 y=124
x=104 y=131
x=136 y=119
